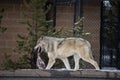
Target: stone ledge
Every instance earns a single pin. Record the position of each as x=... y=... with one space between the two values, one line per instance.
x=86 y=73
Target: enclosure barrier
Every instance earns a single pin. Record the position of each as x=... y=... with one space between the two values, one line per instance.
x=36 y=74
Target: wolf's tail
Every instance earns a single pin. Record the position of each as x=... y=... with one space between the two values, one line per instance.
x=90 y=52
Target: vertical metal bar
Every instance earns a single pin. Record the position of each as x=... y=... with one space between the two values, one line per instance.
x=101 y=33
x=80 y=7
x=54 y=14
x=118 y=54
x=119 y=37
x=74 y=15
x=80 y=10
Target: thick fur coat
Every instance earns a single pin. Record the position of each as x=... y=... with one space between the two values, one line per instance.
x=62 y=48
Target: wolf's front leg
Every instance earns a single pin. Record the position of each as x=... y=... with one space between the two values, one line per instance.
x=76 y=59
x=66 y=63
x=50 y=63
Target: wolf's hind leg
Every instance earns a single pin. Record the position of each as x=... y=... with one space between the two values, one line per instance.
x=87 y=56
x=50 y=63
x=76 y=59
x=66 y=63
x=94 y=63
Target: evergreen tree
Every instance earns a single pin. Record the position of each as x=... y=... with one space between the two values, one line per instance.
x=77 y=30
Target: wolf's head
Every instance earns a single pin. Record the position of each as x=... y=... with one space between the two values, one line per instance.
x=40 y=44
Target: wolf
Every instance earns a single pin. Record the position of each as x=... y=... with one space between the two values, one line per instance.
x=62 y=48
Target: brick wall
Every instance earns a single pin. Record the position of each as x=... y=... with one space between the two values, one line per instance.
x=92 y=25
x=64 y=17
x=11 y=20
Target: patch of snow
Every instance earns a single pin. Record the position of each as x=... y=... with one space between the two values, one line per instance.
x=63 y=69
x=110 y=69
x=104 y=70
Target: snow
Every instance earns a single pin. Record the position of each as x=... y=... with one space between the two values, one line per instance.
x=101 y=70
